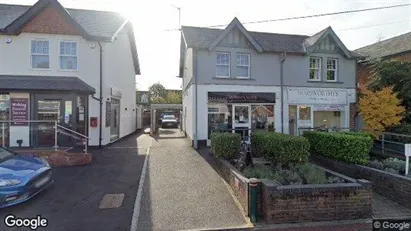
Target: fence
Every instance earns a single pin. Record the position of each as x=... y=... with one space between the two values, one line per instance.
x=40 y=134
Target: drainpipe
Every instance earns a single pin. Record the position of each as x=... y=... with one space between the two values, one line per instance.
x=101 y=97
x=195 y=100
x=283 y=58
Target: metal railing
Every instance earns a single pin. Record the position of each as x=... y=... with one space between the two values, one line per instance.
x=49 y=127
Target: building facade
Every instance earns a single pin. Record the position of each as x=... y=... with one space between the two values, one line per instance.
x=73 y=66
x=238 y=79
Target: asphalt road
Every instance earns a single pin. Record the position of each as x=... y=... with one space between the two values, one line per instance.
x=72 y=203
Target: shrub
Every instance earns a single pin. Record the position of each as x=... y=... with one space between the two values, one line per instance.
x=376 y=164
x=353 y=149
x=363 y=134
x=311 y=174
x=394 y=163
x=280 y=148
x=260 y=172
x=226 y=145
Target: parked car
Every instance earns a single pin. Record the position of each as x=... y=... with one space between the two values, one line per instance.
x=169 y=121
x=22 y=177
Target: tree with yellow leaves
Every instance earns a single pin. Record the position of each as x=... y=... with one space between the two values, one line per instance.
x=380 y=109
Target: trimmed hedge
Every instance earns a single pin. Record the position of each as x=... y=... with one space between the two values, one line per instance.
x=363 y=134
x=225 y=144
x=280 y=148
x=354 y=149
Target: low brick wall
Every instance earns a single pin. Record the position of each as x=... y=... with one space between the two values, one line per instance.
x=62 y=159
x=393 y=186
x=301 y=203
x=237 y=182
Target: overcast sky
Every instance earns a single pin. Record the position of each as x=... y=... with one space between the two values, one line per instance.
x=158 y=49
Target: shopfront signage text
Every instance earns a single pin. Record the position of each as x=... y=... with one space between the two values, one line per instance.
x=317 y=96
x=234 y=97
x=19 y=111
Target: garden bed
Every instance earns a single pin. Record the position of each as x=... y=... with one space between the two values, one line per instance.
x=278 y=203
x=387 y=183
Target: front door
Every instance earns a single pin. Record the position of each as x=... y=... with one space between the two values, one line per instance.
x=304 y=118
x=52 y=110
x=241 y=119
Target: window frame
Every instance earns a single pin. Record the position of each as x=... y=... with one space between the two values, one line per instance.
x=319 y=68
x=335 y=70
x=229 y=65
x=60 y=55
x=241 y=65
x=38 y=54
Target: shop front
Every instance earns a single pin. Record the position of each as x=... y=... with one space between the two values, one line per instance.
x=321 y=108
x=241 y=113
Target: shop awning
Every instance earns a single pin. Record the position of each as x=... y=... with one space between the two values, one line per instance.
x=44 y=83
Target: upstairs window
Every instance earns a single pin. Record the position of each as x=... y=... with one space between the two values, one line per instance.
x=315 y=69
x=68 y=55
x=243 y=66
x=331 y=69
x=223 y=65
x=40 y=57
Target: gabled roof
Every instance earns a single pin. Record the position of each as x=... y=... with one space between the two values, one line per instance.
x=388 y=47
x=311 y=42
x=44 y=83
x=235 y=24
x=93 y=25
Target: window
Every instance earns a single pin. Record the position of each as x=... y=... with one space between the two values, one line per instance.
x=331 y=69
x=315 y=69
x=40 y=54
x=223 y=65
x=68 y=55
x=243 y=66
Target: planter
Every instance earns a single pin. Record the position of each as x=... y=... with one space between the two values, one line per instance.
x=390 y=185
x=301 y=203
x=61 y=158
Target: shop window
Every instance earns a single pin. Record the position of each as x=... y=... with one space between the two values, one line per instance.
x=328 y=119
x=331 y=69
x=223 y=65
x=219 y=118
x=262 y=116
x=315 y=69
x=68 y=55
x=40 y=58
x=4 y=116
x=305 y=113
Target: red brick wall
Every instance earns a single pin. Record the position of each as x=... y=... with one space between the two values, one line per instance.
x=50 y=21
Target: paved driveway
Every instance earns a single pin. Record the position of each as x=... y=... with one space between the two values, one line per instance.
x=72 y=203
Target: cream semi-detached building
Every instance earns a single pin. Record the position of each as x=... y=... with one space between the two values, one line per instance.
x=71 y=65
x=239 y=79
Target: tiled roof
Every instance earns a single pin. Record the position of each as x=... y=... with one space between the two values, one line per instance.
x=96 y=23
x=387 y=47
x=200 y=37
x=44 y=83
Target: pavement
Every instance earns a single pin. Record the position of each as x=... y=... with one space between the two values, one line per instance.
x=72 y=203
x=182 y=191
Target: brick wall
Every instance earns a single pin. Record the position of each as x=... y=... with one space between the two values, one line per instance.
x=353 y=115
x=300 y=203
x=393 y=186
x=50 y=21
x=237 y=182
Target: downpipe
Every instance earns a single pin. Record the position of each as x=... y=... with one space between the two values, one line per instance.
x=283 y=58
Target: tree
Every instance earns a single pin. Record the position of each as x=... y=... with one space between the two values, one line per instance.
x=157 y=90
x=158 y=100
x=173 y=97
x=380 y=109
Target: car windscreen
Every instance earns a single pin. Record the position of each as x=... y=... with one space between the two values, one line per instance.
x=169 y=117
x=4 y=154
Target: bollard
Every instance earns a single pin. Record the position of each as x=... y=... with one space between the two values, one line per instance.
x=253 y=198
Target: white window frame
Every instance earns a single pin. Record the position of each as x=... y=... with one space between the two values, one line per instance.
x=241 y=65
x=335 y=70
x=60 y=55
x=38 y=54
x=229 y=65
x=319 y=68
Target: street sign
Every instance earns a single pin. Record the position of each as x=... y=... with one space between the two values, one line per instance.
x=407 y=149
x=407 y=157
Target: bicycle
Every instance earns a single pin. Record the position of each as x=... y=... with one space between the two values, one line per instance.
x=244 y=156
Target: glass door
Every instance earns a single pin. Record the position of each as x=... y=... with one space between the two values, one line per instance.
x=241 y=119
x=47 y=110
x=304 y=115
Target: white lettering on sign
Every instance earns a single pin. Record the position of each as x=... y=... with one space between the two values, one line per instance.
x=317 y=96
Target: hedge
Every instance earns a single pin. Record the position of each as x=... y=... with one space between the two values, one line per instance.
x=354 y=149
x=363 y=134
x=280 y=148
x=225 y=144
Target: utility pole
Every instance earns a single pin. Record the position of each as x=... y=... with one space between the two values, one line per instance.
x=179 y=16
